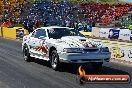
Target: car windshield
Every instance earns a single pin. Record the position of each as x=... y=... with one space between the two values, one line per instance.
x=57 y=33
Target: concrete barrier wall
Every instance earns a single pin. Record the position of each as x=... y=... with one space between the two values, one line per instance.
x=125 y=34
x=20 y=28
x=13 y=32
x=0 y=32
x=26 y=32
x=88 y=34
x=9 y=33
x=104 y=33
x=95 y=32
x=120 y=51
x=112 y=33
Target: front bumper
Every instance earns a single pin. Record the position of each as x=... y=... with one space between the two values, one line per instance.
x=84 y=57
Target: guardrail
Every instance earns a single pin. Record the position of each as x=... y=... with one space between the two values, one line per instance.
x=1 y=32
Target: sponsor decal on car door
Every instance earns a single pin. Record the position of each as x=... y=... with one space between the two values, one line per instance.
x=41 y=47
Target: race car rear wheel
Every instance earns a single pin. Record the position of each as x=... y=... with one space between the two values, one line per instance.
x=54 y=60
x=26 y=54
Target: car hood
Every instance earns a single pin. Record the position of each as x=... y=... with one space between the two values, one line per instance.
x=76 y=42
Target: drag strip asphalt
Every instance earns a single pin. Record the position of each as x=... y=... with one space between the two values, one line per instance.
x=16 y=73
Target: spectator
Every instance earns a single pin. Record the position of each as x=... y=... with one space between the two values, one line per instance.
x=30 y=26
x=64 y=13
x=89 y=27
x=36 y=24
x=6 y=23
x=25 y=24
x=67 y=23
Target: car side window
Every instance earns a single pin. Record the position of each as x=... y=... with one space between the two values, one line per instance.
x=40 y=32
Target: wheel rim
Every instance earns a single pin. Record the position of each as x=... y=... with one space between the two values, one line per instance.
x=54 y=61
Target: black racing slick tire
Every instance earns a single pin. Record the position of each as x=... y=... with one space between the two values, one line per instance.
x=26 y=54
x=54 y=60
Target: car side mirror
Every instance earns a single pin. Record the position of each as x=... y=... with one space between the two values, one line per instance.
x=42 y=37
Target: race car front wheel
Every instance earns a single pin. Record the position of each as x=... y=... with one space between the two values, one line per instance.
x=54 y=60
x=26 y=54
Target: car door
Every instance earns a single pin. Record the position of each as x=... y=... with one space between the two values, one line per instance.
x=32 y=42
x=37 y=43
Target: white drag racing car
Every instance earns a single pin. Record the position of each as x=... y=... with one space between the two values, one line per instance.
x=60 y=44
